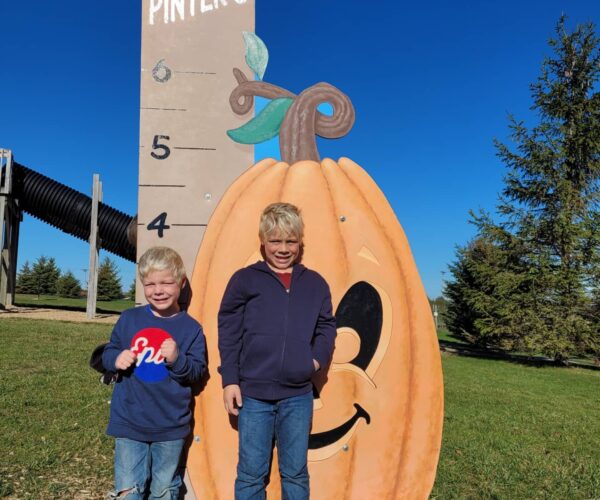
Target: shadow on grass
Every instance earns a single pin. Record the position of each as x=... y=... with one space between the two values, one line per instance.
x=463 y=349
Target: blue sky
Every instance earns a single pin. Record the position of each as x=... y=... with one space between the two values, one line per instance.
x=432 y=84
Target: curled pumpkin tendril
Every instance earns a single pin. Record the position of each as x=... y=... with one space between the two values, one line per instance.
x=241 y=99
x=303 y=121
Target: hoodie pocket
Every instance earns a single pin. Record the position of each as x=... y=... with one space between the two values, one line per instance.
x=298 y=366
x=261 y=356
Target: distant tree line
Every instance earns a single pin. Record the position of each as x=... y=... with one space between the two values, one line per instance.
x=530 y=279
x=45 y=278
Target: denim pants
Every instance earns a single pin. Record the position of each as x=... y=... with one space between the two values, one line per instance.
x=137 y=461
x=287 y=421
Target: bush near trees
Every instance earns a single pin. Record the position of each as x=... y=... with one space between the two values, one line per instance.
x=109 y=282
x=529 y=280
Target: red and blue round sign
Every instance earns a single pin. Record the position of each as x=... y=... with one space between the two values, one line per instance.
x=150 y=365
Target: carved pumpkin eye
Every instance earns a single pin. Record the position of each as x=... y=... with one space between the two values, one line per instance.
x=359 y=311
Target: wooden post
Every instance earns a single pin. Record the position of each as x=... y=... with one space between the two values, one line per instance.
x=10 y=217
x=92 y=284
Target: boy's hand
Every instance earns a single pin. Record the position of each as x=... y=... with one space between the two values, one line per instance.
x=316 y=365
x=232 y=396
x=125 y=359
x=169 y=351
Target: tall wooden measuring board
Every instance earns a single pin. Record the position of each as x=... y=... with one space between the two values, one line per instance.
x=186 y=161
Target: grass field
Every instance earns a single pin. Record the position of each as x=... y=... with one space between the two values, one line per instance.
x=517 y=431
x=53 y=411
x=446 y=335
x=79 y=304
x=511 y=431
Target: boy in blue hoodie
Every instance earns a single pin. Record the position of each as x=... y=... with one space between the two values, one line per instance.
x=276 y=329
x=160 y=352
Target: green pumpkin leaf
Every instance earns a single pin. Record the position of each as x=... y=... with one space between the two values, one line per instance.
x=263 y=126
x=257 y=55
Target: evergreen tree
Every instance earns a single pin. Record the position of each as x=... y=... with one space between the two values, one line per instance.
x=68 y=285
x=25 y=281
x=527 y=282
x=109 y=282
x=131 y=292
x=45 y=275
x=486 y=284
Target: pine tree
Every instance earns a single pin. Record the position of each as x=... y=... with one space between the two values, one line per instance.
x=25 y=281
x=45 y=275
x=109 y=282
x=131 y=292
x=68 y=285
x=532 y=289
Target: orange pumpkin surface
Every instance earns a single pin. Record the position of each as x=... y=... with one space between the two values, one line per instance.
x=377 y=424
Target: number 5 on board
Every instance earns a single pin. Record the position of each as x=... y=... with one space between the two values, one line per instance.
x=165 y=151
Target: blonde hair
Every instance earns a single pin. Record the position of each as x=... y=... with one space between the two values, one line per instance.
x=281 y=217
x=161 y=259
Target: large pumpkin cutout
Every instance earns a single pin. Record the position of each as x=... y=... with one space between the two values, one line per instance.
x=378 y=414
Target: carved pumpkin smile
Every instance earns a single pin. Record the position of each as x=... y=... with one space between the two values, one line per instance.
x=327 y=438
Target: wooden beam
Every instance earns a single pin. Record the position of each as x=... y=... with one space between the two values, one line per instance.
x=92 y=284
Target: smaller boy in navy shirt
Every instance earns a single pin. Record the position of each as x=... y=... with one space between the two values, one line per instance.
x=160 y=351
x=276 y=329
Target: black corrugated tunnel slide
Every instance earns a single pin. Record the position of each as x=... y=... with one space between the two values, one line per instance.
x=70 y=211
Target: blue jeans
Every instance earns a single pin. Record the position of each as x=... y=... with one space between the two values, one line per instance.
x=137 y=461
x=287 y=421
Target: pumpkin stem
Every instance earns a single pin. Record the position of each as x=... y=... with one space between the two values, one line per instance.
x=303 y=121
x=241 y=99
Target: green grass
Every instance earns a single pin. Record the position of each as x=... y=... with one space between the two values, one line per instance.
x=54 y=301
x=446 y=335
x=510 y=431
x=53 y=411
x=516 y=431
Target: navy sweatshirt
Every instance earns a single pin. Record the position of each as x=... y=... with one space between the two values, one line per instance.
x=268 y=337
x=152 y=400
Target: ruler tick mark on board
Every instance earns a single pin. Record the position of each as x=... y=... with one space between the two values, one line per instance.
x=163 y=185
x=194 y=149
x=195 y=225
x=195 y=72
x=186 y=225
x=164 y=109
x=184 y=148
x=187 y=72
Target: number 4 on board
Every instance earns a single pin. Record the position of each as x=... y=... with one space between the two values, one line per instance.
x=159 y=224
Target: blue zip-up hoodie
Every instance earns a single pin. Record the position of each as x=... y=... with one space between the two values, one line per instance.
x=152 y=400
x=268 y=337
